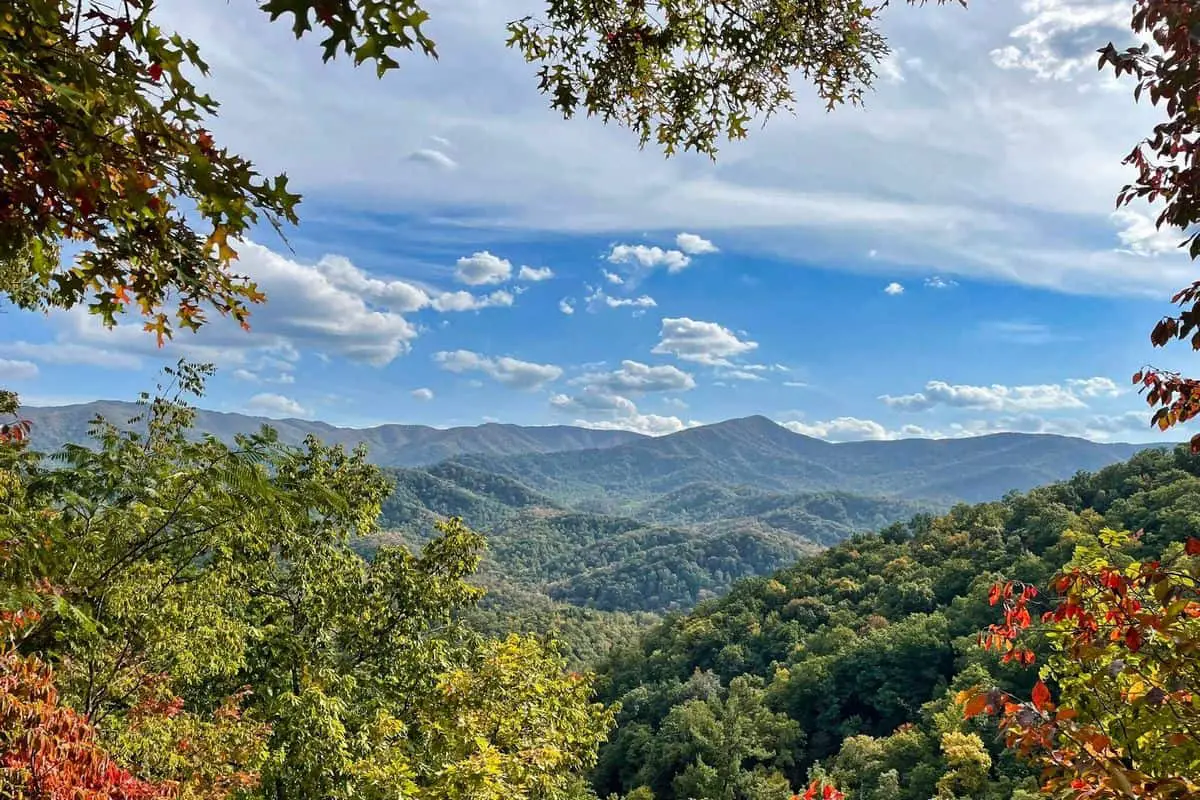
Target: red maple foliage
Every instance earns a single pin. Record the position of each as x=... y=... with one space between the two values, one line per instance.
x=49 y=751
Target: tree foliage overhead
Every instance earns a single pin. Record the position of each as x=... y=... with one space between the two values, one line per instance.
x=1167 y=171
x=690 y=73
x=105 y=158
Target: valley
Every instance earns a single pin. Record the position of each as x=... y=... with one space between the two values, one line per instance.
x=592 y=536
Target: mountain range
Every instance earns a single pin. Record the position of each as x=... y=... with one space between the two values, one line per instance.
x=610 y=470
x=618 y=522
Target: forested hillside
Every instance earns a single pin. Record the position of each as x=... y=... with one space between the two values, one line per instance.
x=850 y=660
x=667 y=554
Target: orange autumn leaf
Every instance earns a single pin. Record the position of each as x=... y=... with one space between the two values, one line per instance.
x=975 y=706
x=1041 y=696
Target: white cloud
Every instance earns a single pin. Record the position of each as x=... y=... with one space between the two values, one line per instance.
x=937 y=282
x=535 y=274
x=437 y=158
x=14 y=370
x=609 y=411
x=66 y=352
x=998 y=397
x=649 y=257
x=1060 y=39
x=702 y=342
x=893 y=289
x=598 y=297
x=795 y=384
x=612 y=277
x=635 y=377
x=853 y=429
x=482 y=268
x=422 y=394
x=694 y=245
x=741 y=375
x=275 y=405
x=396 y=295
x=465 y=301
x=1094 y=387
x=508 y=371
x=245 y=375
x=329 y=307
x=1141 y=237
x=1034 y=150
x=565 y=306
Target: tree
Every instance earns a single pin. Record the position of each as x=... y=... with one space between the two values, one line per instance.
x=208 y=599
x=1122 y=641
x=103 y=145
x=1168 y=170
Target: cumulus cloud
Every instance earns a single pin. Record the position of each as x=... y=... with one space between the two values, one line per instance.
x=465 y=301
x=893 y=289
x=1094 y=387
x=329 y=307
x=436 y=158
x=612 y=277
x=853 y=429
x=998 y=397
x=1140 y=236
x=701 y=342
x=276 y=405
x=694 y=245
x=482 y=268
x=937 y=282
x=396 y=295
x=535 y=274
x=598 y=298
x=635 y=377
x=565 y=306
x=505 y=370
x=15 y=370
x=649 y=257
x=608 y=411
x=422 y=394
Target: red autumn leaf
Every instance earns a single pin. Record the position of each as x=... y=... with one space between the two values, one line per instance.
x=1133 y=639
x=1193 y=546
x=1041 y=696
x=155 y=72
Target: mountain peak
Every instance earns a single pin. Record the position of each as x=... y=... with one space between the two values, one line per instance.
x=755 y=422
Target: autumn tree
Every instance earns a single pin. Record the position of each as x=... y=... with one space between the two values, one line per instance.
x=1114 y=714
x=1167 y=167
x=105 y=158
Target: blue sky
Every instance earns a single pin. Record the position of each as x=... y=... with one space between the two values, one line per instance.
x=945 y=262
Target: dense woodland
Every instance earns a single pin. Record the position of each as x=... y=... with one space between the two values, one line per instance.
x=185 y=616
x=851 y=659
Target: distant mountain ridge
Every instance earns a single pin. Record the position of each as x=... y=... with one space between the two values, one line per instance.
x=616 y=471
x=756 y=452
x=392 y=445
